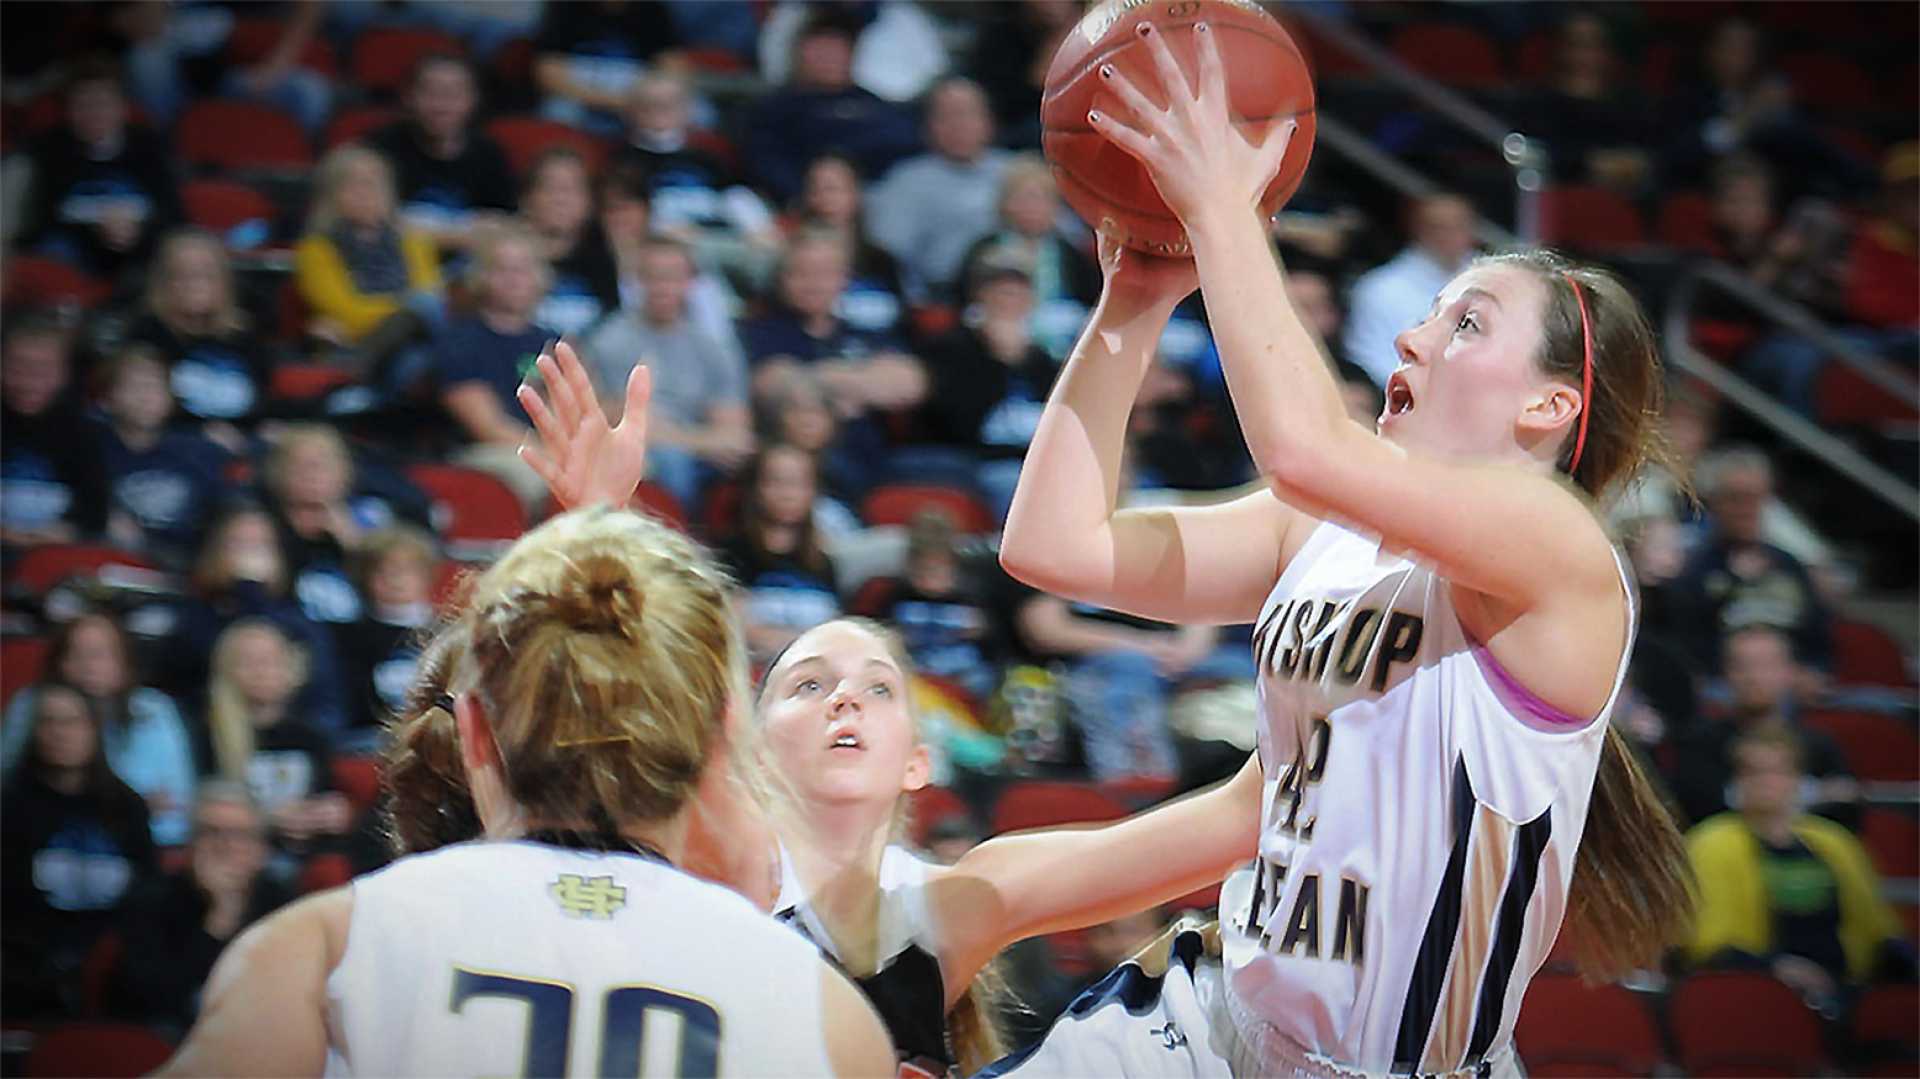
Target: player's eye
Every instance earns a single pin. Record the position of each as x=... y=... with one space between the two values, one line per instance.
x=1468 y=321
x=807 y=685
x=882 y=689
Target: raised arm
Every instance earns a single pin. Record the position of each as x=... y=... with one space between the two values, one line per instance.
x=1065 y=531
x=1029 y=883
x=1515 y=535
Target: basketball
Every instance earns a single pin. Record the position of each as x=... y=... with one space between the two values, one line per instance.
x=1267 y=83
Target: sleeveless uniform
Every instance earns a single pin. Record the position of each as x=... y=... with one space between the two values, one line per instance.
x=1419 y=823
x=494 y=958
x=907 y=988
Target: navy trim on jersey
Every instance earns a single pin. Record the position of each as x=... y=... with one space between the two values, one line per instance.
x=1529 y=848
x=1436 y=946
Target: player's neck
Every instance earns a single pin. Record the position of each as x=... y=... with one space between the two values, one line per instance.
x=836 y=858
x=666 y=838
x=834 y=840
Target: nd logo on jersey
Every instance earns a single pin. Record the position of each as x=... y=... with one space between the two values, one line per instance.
x=587 y=897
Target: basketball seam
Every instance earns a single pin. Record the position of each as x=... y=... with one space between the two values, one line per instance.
x=1141 y=211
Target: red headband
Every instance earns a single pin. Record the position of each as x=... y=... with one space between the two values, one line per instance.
x=1586 y=371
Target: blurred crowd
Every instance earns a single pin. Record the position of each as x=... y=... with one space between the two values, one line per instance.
x=827 y=231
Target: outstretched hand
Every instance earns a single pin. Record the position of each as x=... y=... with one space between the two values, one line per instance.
x=1198 y=159
x=583 y=460
x=1137 y=280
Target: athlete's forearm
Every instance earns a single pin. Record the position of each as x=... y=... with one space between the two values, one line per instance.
x=1058 y=533
x=1288 y=403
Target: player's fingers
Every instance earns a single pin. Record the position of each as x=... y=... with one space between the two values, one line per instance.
x=575 y=373
x=542 y=466
x=1139 y=109
x=639 y=392
x=559 y=393
x=1274 y=149
x=1172 y=79
x=1118 y=133
x=543 y=421
x=1213 y=72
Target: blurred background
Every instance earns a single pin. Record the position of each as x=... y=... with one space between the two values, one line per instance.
x=273 y=271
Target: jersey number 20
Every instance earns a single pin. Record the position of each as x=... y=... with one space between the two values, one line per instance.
x=623 y=1021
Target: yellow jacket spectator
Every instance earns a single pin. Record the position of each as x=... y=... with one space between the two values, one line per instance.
x=1779 y=884
x=357 y=267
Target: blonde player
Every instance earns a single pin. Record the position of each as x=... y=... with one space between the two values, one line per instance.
x=601 y=684
x=1442 y=625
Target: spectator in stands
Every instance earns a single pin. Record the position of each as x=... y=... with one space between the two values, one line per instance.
x=163 y=482
x=258 y=736
x=73 y=839
x=940 y=613
x=794 y=410
x=242 y=574
x=216 y=368
x=1120 y=670
x=53 y=484
x=1312 y=293
x=1785 y=257
x=785 y=574
x=589 y=55
x=102 y=188
x=1758 y=662
x=1736 y=576
x=929 y=209
x=1393 y=297
x=698 y=424
x=1066 y=282
x=988 y=379
x=483 y=358
x=394 y=569
x=1883 y=271
x=1010 y=58
x=449 y=174
x=897 y=51
x=584 y=285
x=861 y=371
x=831 y=202
x=626 y=218
x=1594 y=127
x=174 y=928
x=1785 y=889
x=144 y=739
x=368 y=281
x=170 y=47
x=818 y=108
x=695 y=196
x=309 y=484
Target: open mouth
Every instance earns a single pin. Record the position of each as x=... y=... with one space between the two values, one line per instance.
x=844 y=738
x=1399 y=396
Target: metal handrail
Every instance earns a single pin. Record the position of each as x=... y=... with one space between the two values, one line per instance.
x=1803 y=322
x=1795 y=428
x=1526 y=158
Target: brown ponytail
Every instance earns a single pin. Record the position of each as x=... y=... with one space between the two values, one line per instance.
x=428 y=803
x=1632 y=893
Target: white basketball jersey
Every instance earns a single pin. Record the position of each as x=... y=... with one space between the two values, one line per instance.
x=526 y=959
x=1419 y=821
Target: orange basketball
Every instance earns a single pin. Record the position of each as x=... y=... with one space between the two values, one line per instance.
x=1267 y=83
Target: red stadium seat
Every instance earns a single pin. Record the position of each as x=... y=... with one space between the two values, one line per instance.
x=32 y=281
x=1140 y=791
x=1886 y=1027
x=658 y=502
x=359 y=779
x=1589 y=219
x=1534 y=62
x=482 y=514
x=931 y=806
x=96 y=974
x=451 y=580
x=1828 y=81
x=525 y=138
x=1877 y=747
x=223 y=205
x=44 y=567
x=102 y=1050
x=384 y=58
x=1743 y=1023
x=1043 y=803
x=1724 y=341
x=1458 y=56
x=1866 y=654
x=898 y=503
x=253 y=39
x=234 y=135
x=873 y=597
x=1567 y=1027
x=22 y=661
x=324 y=871
x=350 y=124
x=1686 y=222
x=720 y=510
x=1892 y=839
x=1843 y=397
x=1325 y=57
x=306 y=381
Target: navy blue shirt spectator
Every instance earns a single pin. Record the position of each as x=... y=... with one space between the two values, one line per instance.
x=584 y=285
x=445 y=169
x=472 y=351
x=102 y=188
x=164 y=483
x=588 y=56
x=820 y=110
x=193 y=319
x=53 y=485
x=787 y=577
